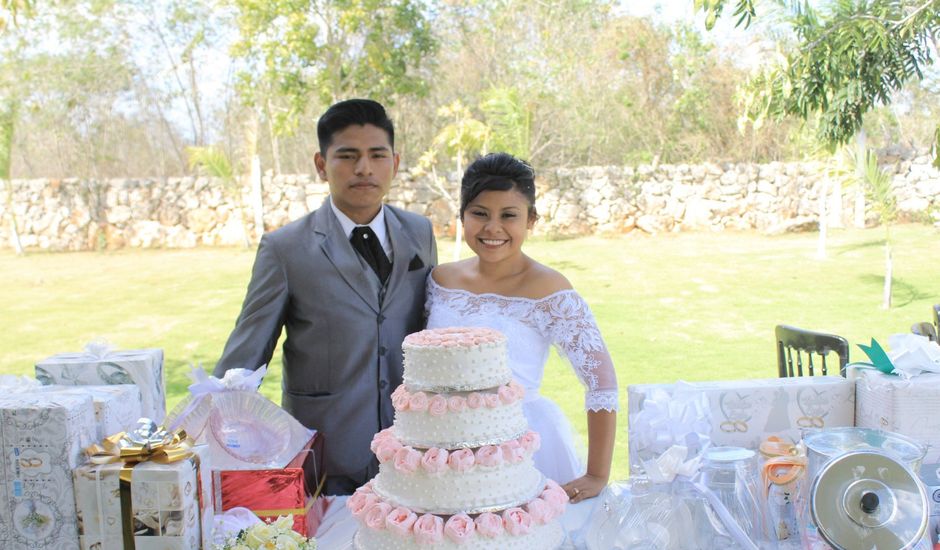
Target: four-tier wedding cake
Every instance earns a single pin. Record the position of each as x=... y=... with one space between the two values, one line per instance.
x=456 y=468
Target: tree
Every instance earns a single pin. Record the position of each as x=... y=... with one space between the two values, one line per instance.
x=216 y=164
x=850 y=56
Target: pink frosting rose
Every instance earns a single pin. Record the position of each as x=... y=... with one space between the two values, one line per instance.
x=513 y=452
x=489 y=455
x=381 y=437
x=517 y=521
x=400 y=520
x=429 y=529
x=489 y=525
x=474 y=400
x=418 y=401
x=461 y=460
x=518 y=388
x=506 y=394
x=359 y=501
x=460 y=528
x=434 y=460
x=531 y=441
x=407 y=460
x=491 y=400
x=456 y=403
x=374 y=515
x=437 y=406
x=541 y=511
x=556 y=497
x=401 y=401
x=387 y=449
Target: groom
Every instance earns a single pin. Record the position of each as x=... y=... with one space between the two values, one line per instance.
x=347 y=283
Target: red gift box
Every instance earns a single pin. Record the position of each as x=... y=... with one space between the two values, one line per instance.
x=291 y=491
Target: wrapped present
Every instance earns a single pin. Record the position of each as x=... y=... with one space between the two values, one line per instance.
x=244 y=429
x=98 y=365
x=930 y=475
x=145 y=490
x=908 y=406
x=742 y=413
x=42 y=438
x=117 y=408
x=293 y=490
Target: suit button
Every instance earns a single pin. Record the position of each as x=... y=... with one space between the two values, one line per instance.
x=382 y=350
x=381 y=318
x=383 y=384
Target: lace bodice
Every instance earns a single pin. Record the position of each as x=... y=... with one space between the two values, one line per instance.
x=532 y=326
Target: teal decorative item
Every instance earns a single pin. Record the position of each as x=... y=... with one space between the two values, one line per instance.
x=879 y=359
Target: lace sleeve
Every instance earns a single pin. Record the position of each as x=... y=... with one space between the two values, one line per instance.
x=573 y=331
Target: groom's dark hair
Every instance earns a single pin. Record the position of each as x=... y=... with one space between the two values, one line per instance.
x=349 y=112
x=498 y=172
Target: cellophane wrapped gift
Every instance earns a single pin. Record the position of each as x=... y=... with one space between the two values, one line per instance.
x=293 y=490
x=930 y=475
x=243 y=429
x=117 y=408
x=147 y=505
x=99 y=365
x=745 y=412
x=908 y=406
x=783 y=485
x=42 y=439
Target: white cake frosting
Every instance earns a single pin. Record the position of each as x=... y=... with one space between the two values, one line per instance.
x=456 y=469
x=455 y=359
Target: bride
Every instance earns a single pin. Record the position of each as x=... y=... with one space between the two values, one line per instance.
x=535 y=306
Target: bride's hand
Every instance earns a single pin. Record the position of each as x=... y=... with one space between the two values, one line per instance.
x=586 y=486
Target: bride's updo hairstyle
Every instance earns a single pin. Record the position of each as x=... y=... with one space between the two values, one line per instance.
x=498 y=172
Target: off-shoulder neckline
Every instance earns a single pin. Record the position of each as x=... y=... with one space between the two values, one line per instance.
x=495 y=295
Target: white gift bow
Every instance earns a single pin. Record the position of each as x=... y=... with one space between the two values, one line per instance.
x=674 y=429
x=233 y=380
x=98 y=349
x=16 y=384
x=912 y=354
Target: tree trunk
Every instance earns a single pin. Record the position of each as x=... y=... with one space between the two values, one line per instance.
x=256 y=197
x=860 y=152
x=886 y=294
x=823 y=220
x=7 y=124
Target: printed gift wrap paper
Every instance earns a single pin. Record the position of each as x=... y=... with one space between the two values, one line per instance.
x=293 y=490
x=42 y=439
x=745 y=412
x=98 y=366
x=909 y=407
x=117 y=408
x=169 y=504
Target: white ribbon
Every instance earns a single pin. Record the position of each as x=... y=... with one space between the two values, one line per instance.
x=912 y=354
x=17 y=384
x=670 y=432
x=98 y=349
x=233 y=380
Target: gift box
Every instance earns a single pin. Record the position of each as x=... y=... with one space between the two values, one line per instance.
x=294 y=490
x=42 y=439
x=117 y=408
x=742 y=413
x=145 y=505
x=142 y=367
x=908 y=406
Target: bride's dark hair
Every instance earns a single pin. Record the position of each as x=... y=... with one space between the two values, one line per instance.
x=498 y=172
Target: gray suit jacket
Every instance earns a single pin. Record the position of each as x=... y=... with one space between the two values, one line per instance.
x=342 y=354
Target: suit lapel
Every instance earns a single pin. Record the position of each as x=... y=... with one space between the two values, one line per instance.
x=342 y=255
x=403 y=248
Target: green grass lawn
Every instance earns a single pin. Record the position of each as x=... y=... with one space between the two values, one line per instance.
x=690 y=306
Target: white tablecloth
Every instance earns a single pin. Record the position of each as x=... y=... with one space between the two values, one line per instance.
x=338 y=527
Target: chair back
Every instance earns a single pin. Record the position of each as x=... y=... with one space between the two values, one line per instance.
x=936 y=318
x=925 y=329
x=798 y=349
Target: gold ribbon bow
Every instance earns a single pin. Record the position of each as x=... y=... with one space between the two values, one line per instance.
x=147 y=443
x=785 y=461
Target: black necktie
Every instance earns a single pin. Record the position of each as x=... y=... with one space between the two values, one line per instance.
x=368 y=246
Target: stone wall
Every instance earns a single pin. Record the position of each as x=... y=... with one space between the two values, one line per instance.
x=72 y=214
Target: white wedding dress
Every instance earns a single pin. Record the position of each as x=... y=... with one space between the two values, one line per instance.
x=531 y=326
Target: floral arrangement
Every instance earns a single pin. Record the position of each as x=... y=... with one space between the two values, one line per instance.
x=278 y=535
